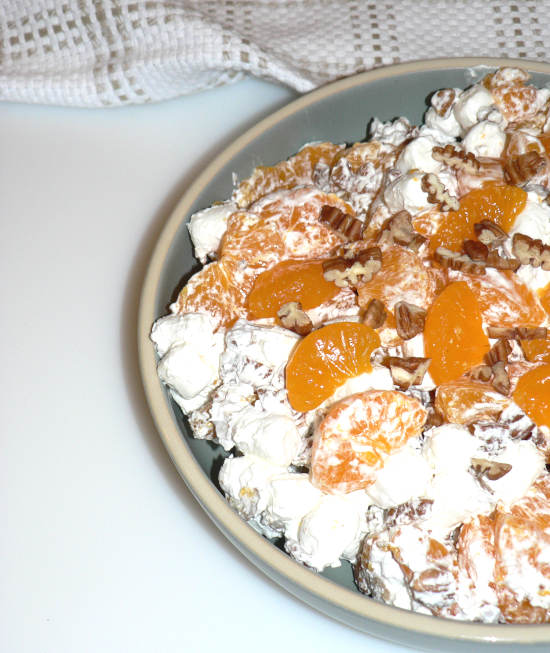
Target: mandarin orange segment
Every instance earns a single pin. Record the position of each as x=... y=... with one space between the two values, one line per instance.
x=497 y=202
x=504 y=300
x=403 y=277
x=453 y=333
x=289 y=281
x=357 y=436
x=295 y=171
x=532 y=394
x=544 y=296
x=327 y=358
x=465 y=401
x=515 y=102
x=538 y=350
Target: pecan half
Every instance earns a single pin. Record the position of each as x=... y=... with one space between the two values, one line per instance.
x=409 y=320
x=375 y=314
x=456 y=159
x=475 y=250
x=501 y=380
x=294 y=318
x=531 y=251
x=520 y=169
x=489 y=233
x=490 y=469
x=409 y=371
x=351 y=272
x=438 y=194
x=346 y=226
x=462 y=262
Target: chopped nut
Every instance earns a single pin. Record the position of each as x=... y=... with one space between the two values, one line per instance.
x=462 y=262
x=501 y=381
x=481 y=373
x=490 y=469
x=443 y=100
x=489 y=233
x=531 y=251
x=508 y=333
x=294 y=318
x=475 y=250
x=498 y=353
x=495 y=260
x=344 y=225
x=407 y=371
x=435 y=418
x=520 y=169
x=437 y=193
x=456 y=159
x=532 y=333
x=398 y=229
x=375 y=314
x=409 y=319
x=350 y=272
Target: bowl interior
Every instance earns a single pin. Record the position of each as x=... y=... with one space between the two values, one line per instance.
x=340 y=113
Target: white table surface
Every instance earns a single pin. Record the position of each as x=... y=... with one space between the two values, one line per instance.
x=102 y=546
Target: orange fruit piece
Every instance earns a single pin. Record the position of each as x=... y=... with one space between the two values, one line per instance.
x=497 y=202
x=504 y=300
x=465 y=401
x=289 y=281
x=515 y=101
x=402 y=277
x=532 y=394
x=536 y=351
x=544 y=295
x=453 y=333
x=325 y=359
x=295 y=171
x=279 y=227
x=357 y=436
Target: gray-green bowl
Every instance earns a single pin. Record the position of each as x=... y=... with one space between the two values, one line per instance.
x=338 y=112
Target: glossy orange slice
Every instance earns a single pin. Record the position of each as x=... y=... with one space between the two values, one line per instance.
x=453 y=333
x=327 y=358
x=357 y=436
x=296 y=171
x=532 y=394
x=497 y=202
x=289 y=281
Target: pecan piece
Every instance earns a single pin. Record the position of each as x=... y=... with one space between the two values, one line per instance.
x=456 y=159
x=398 y=229
x=443 y=100
x=438 y=194
x=346 y=226
x=489 y=233
x=495 y=260
x=294 y=318
x=409 y=371
x=490 y=469
x=508 y=333
x=481 y=373
x=350 y=272
x=462 y=262
x=498 y=353
x=375 y=314
x=520 y=169
x=531 y=251
x=409 y=320
x=501 y=380
x=475 y=250
x=532 y=333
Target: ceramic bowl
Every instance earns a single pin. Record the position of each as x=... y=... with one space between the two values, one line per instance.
x=339 y=112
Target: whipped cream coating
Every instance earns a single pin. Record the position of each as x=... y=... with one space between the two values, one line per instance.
x=230 y=381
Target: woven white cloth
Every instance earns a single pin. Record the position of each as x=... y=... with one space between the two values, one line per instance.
x=98 y=53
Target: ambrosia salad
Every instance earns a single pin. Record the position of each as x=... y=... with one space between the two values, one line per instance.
x=368 y=340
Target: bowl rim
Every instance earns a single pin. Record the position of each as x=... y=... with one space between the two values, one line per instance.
x=259 y=550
